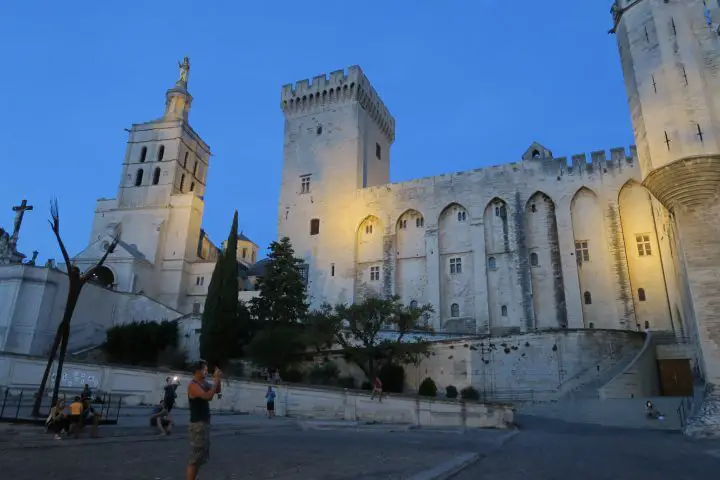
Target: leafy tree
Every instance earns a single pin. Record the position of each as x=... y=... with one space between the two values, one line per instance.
x=356 y=328
x=224 y=319
x=279 y=310
x=283 y=294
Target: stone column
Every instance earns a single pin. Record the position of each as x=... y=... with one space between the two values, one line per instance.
x=433 y=273
x=568 y=263
x=480 y=286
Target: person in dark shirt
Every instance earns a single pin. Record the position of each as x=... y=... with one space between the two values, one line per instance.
x=170 y=393
x=161 y=419
x=200 y=392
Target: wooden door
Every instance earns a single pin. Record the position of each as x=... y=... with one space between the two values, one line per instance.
x=675 y=378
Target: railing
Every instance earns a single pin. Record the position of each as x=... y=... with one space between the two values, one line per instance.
x=665 y=337
x=18 y=407
x=684 y=410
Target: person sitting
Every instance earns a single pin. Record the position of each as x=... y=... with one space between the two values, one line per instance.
x=89 y=412
x=57 y=421
x=160 y=418
x=651 y=412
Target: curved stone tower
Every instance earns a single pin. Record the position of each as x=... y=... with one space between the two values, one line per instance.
x=670 y=54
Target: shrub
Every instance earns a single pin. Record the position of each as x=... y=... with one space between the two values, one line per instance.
x=291 y=376
x=347 y=382
x=428 y=388
x=138 y=343
x=325 y=373
x=470 y=393
x=451 y=391
x=393 y=378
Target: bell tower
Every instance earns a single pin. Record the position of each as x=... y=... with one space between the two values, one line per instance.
x=670 y=54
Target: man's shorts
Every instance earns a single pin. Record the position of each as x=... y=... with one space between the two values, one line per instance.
x=199 y=433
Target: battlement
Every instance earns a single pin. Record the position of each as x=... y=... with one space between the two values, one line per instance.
x=559 y=169
x=325 y=92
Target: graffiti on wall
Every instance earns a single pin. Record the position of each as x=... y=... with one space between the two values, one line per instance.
x=75 y=378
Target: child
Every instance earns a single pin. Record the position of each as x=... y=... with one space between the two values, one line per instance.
x=270 y=397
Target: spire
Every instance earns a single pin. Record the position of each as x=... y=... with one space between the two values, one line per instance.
x=178 y=100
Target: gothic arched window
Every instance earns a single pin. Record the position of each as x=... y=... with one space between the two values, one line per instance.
x=161 y=153
x=454 y=310
x=143 y=154
x=588 y=298
x=156 y=176
x=182 y=182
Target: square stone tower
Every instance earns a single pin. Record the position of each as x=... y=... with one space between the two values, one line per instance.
x=338 y=135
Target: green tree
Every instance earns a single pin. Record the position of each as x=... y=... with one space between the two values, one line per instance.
x=283 y=293
x=357 y=329
x=224 y=317
x=279 y=310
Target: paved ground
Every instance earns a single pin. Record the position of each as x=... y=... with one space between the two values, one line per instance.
x=248 y=447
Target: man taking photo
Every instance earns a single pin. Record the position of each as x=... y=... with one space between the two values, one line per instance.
x=200 y=392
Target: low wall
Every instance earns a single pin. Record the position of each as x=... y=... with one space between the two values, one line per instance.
x=141 y=386
x=638 y=379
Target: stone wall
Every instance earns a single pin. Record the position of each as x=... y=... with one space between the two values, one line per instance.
x=32 y=301
x=532 y=366
x=138 y=386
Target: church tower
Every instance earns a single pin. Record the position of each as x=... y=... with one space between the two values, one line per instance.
x=670 y=54
x=159 y=206
x=338 y=135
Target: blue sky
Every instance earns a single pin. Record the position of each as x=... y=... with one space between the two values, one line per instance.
x=471 y=83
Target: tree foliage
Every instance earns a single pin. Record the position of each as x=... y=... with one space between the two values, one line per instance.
x=283 y=293
x=225 y=320
x=279 y=310
x=357 y=329
x=139 y=343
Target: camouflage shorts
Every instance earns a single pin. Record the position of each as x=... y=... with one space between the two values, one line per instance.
x=199 y=433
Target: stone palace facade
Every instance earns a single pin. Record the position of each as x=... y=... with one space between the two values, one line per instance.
x=622 y=241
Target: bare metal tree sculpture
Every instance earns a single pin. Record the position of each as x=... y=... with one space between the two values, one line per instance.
x=76 y=282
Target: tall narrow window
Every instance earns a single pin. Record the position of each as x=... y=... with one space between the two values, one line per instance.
x=314 y=226
x=139 y=177
x=641 y=294
x=491 y=263
x=182 y=182
x=185 y=159
x=582 y=252
x=533 y=259
x=419 y=222
x=156 y=176
x=305 y=273
x=143 y=154
x=368 y=229
x=192 y=186
x=378 y=151
x=195 y=168
x=374 y=274
x=305 y=184
x=643 y=244
x=244 y=253
x=461 y=215
x=196 y=308
x=161 y=153
x=454 y=310
x=588 y=298
x=503 y=311
x=456 y=265
x=332 y=269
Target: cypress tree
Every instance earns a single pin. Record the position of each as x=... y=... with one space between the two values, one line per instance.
x=219 y=333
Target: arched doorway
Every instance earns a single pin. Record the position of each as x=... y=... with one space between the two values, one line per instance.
x=104 y=277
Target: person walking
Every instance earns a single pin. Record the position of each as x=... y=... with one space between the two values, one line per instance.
x=200 y=392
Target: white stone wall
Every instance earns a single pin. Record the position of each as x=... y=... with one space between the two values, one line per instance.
x=32 y=302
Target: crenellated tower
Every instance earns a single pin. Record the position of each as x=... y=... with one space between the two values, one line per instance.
x=338 y=135
x=670 y=54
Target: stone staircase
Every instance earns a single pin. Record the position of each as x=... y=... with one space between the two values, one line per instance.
x=583 y=405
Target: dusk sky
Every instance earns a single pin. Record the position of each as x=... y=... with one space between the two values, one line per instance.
x=471 y=83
